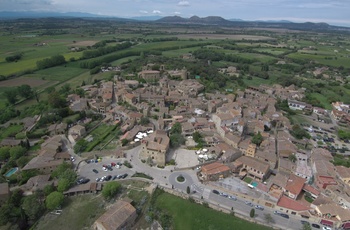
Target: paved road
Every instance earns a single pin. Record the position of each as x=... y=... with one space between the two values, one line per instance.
x=167 y=177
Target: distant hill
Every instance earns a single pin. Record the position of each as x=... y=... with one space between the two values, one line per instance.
x=195 y=20
x=210 y=20
x=34 y=14
x=146 y=18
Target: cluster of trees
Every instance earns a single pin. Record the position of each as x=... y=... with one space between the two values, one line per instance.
x=102 y=50
x=24 y=91
x=111 y=189
x=8 y=114
x=299 y=132
x=51 y=62
x=343 y=134
x=213 y=55
x=66 y=177
x=14 y=157
x=176 y=138
x=23 y=211
x=14 y=58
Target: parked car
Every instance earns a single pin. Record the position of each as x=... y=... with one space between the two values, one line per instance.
x=124 y=175
x=232 y=197
x=95 y=171
x=316 y=226
x=223 y=194
x=114 y=177
x=303 y=222
x=85 y=181
x=259 y=207
x=108 y=178
x=281 y=214
x=216 y=192
x=249 y=203
x=326 y=228
x=113 y=164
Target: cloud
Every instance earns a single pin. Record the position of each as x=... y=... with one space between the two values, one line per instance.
x=156 y=12
x=177 y=13
x=183 y=3
x=144 y=11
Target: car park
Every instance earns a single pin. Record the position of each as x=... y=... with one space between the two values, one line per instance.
x=259 y=207
x=95 y=171
x=316 y=226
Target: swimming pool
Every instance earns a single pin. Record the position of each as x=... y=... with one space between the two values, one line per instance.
x=11 y=172
x=254 y=184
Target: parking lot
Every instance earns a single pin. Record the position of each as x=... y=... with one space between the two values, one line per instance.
x=185 y=158
x=86 y=169
x=236 y=185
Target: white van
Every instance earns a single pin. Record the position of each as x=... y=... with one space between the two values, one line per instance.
x=251 y=186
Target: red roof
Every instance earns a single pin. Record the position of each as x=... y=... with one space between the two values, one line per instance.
x=286 y=202
x=346 y=225
x=327 y=223
x=311 y=189
x=295 y=184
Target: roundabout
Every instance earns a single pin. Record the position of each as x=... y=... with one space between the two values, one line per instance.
x=180 y=180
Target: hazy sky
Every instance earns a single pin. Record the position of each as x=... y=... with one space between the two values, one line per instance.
x=335 y=12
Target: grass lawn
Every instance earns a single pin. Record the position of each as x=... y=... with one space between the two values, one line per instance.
x=187 y=215
x=322 y=99
x=79 y=212
x=10 y=131
x=59 y=73
x=248 y=179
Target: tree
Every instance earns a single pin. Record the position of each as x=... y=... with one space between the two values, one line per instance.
x=176 y=140
x=188 y=190
x=4 y=153
x=197 y=137
x=252 y=213
x=80 y=146
x=299 y=133
x=257 y=139
x=306 y=226
x=144 y=121
x=17 y=152
x=48 y=189
x=63 y=185
x=124 y=142
x=292 y=158
x=110 y=189
x=268 y=218
x=54 y=200
x=11 y=96
x=25 y=91
x=32 y=206
x=56 y=100
x=60 y=169
x=176 y=128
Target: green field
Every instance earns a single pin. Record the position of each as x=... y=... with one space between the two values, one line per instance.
x=187 y=215
x=79 y=212
x=10 y=131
